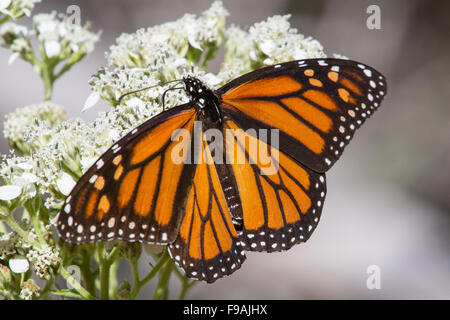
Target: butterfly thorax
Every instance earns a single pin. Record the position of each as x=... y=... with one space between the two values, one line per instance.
x=204 y=99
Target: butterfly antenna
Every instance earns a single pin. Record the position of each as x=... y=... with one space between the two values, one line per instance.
x=146 y=88
x=164 y=94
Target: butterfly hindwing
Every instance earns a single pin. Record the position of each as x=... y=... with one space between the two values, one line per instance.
x=317 y=105
x=208 y=246
x=281 y=201
x=134 y=191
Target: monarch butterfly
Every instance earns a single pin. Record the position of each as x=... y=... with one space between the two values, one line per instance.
x=209 y=214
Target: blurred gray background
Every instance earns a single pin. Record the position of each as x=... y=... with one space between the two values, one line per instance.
x=388 y=200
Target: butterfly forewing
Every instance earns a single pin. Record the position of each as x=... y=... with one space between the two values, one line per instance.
x=316 y=104
x=133 y=192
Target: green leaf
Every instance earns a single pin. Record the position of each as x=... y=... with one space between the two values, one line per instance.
x=70 y=293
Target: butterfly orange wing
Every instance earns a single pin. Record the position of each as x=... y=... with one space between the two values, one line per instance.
x=280 y=200
x=317 y=104
x=134 y=191
x=208 y=246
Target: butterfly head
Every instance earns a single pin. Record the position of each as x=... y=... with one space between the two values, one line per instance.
x=205 y=100
x=196 y=90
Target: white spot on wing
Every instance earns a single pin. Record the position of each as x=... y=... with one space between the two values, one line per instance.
x=100 y=163
x=67 y=208
x=368 y=72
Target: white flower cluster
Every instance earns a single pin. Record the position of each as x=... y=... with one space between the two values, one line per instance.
x=158 y=54
x=32 y=131
x=17 y=38
x=61 y=38
x=166 y=47
x=58 y=156
x=57 y=37
x=278 y=42
x=29 y=290
x=16 y=9
x=171 y=50
x=18 y=173
x=8 y=244
x=58 y=151
x=266 y=43
x=43 y=260
x=13 y=246
x=114 y=83
x=29 y=128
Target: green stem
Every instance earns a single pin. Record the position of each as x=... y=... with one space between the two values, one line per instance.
x=74 y=59
x=2 y=227
x=136 y=281
x=47 y=77
x=87 y=274
x=113 y=279
x=140 y=283
x=6 y=294
x=13 y=225
x=82 y=291
x=47 y=287
x=22 y=233
x=186 y=284
x=210 y=54
x=37 y=227
x=104 y=272
x=4 y=19
x=162 y=290
x=105 y=260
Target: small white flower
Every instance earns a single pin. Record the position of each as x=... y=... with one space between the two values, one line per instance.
x=27 y=12
x=52 y=48
x=339 y=56
x=65 y=184
x=24 y=166
x=43 y=259
x=267 y=46
x=30 y=127
x=4 y=4
x=13 y=29
x=28 y=178
x=13 y=57
x=29 y=290
x=212 y=79
x=268 y=61
x=91 y=101
x=19 y=264
x=10 y=192
x=87 y=162
x=135 y=102
x=17 y=8
x=192 y=36
x=59 y=36
x=274 y=41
